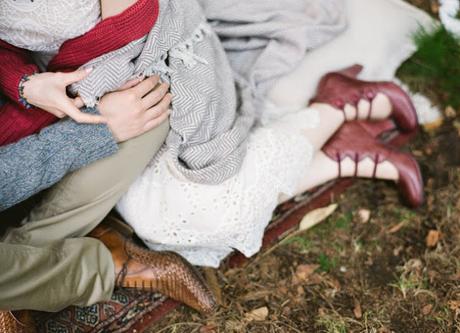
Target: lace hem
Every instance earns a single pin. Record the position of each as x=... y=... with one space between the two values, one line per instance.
x=205 y=223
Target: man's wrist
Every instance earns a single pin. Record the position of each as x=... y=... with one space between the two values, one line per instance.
x=96 y=109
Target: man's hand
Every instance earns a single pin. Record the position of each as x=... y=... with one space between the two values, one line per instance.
x=47 y=91
x=137 y=108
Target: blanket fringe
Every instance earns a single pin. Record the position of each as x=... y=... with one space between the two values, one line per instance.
x=184 y=52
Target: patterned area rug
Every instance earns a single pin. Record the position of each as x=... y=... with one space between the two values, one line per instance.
x=119 y=315
x=135 y=312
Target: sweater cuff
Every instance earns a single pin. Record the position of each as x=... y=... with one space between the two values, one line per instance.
x=96 y=143
x=12 y=82
x=92 y=142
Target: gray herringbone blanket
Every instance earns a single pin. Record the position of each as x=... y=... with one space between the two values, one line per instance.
x=220 y=57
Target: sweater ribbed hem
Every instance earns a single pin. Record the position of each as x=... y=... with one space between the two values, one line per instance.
x=14 y=77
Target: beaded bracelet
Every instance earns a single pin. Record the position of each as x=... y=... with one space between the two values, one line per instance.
x=22 y=99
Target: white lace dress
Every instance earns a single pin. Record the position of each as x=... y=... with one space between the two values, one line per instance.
x=205 y=223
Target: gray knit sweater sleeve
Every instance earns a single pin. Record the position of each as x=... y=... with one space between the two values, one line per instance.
x=39 y=161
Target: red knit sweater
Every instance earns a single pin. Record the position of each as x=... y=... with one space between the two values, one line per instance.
x=16 y=122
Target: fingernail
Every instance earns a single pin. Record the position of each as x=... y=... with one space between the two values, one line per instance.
x=89 y=70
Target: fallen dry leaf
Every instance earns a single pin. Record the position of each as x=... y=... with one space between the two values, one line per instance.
x=300 y=291
x=256 y=295
x=315 y=279
x=321 y=312
x=364 y=215
x=457 y=126
x=426 y=310
x=397 y=251
x=234 y=326
x=316 y=216
x=303 y=272
x=358 y=312
x=417 y=153
x=286 y=311
x=397 y=227
x=432 y=238
x=259 y=314
x=450 y=112
x=454 y=305
x=384 y=330
x=211 y=328
x=334 y=283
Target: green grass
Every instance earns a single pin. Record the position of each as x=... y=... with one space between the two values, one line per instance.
x=341 y=222
x=435 y=67
x=331 y=324
x=410 y=284
x=344 y=221
x=300 y=242
x=326 y=263
x=404 y=214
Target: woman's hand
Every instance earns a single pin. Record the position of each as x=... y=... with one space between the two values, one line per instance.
x=48 y=91
x=136 y=108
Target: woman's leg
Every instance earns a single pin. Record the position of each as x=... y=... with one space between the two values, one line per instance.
x=332 y=118
x=324 y=169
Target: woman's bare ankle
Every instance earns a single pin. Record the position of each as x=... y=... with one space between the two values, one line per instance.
x=366 y=168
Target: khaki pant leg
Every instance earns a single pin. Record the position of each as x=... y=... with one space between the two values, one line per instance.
x=69 y=272
x=78 y=203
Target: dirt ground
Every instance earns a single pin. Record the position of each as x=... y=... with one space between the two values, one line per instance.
x=398 y=271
